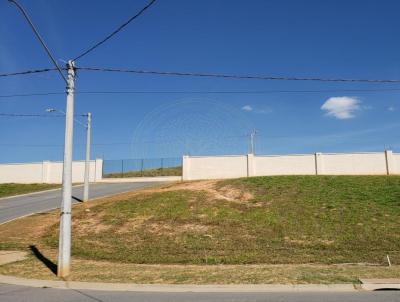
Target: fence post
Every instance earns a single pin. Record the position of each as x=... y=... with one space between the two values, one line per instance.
x=141 y=167
x=162 y=166
x=186 y=167
x=389 y=162
x=318 y=163
x=122 y=167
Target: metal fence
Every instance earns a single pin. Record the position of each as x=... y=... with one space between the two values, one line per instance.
x=142 y=167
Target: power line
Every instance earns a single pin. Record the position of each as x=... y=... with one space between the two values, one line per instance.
x=25 y=14
x=26 y=72
x=37 y=115
x=31 y=94
x=203 y=92
x=29 y=115
x=233 y=91
x=58 y=145
x=233 y=76
x=220 y=75
x=115 y=31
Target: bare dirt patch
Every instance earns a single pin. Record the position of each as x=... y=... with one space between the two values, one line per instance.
x=165 y=229
x=29 y=229
x=229 y=193
x=90 y=225
x=308 y=242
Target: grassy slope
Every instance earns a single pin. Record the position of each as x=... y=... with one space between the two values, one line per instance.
x=171 y=171
x=290 y=219
x=11 y=189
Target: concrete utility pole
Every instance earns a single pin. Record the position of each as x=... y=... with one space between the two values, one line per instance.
x=87 y=126
x=64 y=247
x=87 y=158
x=64 y=255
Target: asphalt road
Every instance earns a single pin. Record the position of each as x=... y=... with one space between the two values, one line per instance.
x=14 y=207
x=22 y=294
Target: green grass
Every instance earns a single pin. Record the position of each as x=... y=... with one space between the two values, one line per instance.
x=171 y=171
x=289 y=220
x=11 y=189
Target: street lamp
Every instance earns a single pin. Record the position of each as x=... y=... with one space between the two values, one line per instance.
x=87 y=153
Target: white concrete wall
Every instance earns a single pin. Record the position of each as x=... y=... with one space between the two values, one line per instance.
x=215 y=167
x=282 y=165
x=48 y=172
x=209 y=167
x=396 y=163
x=354 y=164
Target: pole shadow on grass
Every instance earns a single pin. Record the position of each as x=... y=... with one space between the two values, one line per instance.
x=46 y=261
x=77 y=199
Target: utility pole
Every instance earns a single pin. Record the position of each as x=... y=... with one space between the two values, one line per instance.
x=87 y=158
x=64 y=247
x=252 y=138
x=64 y=244
x=88 y=128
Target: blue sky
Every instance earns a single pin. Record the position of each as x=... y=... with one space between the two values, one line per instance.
x=349 y=39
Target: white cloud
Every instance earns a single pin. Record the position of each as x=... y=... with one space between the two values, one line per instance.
x=247 y=108
x=341 y=107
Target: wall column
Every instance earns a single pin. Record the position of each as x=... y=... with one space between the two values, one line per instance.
x=98 y=171
x=250 y=165
x=186 y=167
x=46 y=166
x=319 y=169
x=389 y=162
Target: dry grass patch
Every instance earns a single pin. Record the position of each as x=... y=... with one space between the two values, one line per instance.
x=102 y=271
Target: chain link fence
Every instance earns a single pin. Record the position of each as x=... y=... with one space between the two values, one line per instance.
x=142 y=167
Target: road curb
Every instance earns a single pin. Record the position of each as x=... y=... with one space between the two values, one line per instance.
x=380 y=284
x=174 y=288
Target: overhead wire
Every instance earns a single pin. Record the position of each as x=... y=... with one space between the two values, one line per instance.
x=236 y=76
x=214 y=75
x=203 y=92
x=30 y=115
x=25 y=14
x=26 y=72
x=115 y=31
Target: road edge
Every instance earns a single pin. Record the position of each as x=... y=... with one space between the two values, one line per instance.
x=175 y=288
